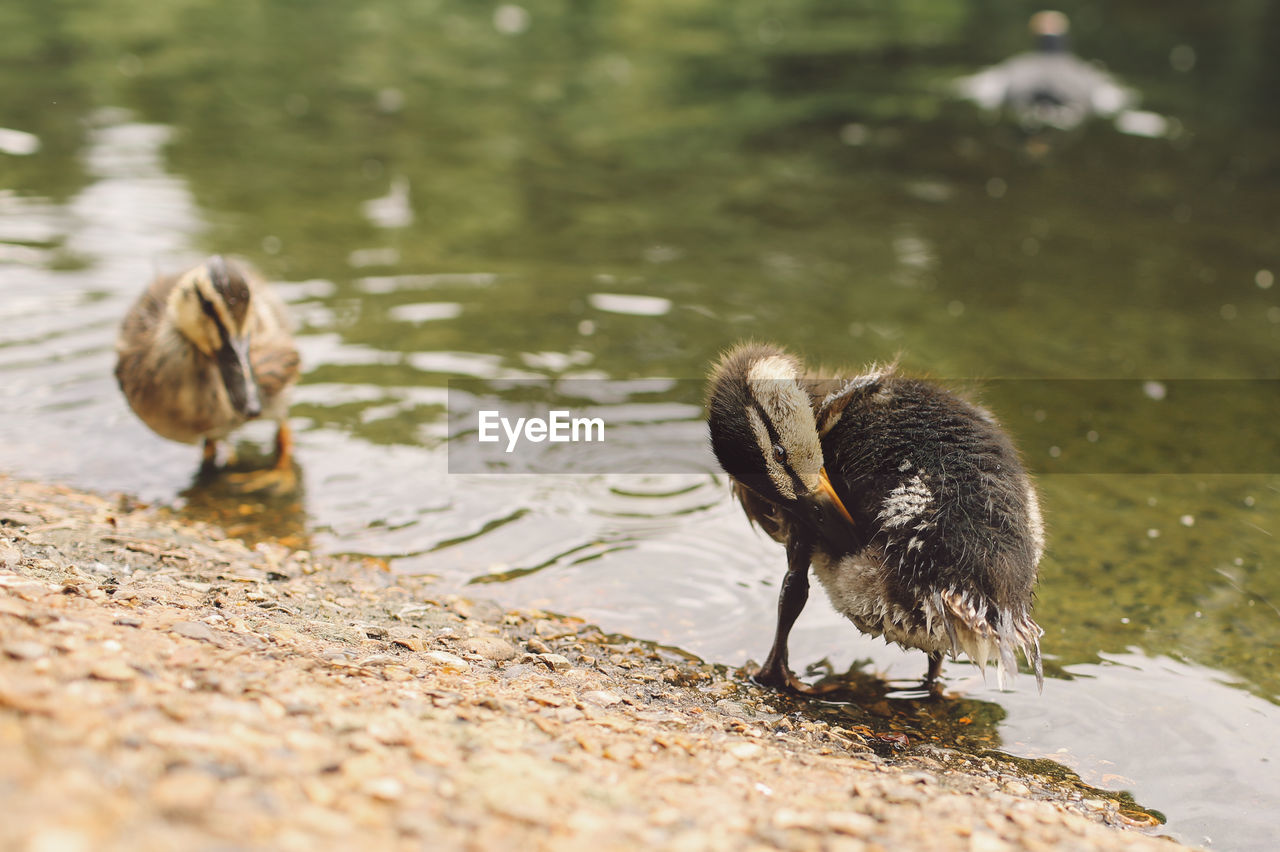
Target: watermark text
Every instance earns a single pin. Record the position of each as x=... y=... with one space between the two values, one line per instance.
x=558 y=426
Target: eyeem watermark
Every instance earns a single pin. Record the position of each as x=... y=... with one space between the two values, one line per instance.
x=558 y=427
x=1062 y=426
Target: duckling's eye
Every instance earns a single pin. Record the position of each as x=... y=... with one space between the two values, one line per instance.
x=780 y=454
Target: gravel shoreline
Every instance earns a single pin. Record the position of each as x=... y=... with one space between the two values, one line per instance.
x=164 y=687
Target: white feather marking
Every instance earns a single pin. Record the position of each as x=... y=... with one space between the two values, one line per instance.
x=774 y=368
x=905 y=503
x=773 y=384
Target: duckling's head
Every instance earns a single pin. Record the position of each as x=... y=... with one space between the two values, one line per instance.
x=210 y=306
x=1050 y=29
x=764 y=435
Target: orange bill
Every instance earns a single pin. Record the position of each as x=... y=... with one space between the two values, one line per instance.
x=825 y=487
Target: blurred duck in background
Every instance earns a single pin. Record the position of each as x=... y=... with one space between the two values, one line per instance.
x=200 y=354
x=1048 y=88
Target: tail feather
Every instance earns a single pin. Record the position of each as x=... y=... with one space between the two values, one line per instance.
x=940 y=611
x=972 y=633
x=1032 y=650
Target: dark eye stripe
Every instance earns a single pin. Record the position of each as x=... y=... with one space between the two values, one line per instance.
x=212 y=313
x=774 y=438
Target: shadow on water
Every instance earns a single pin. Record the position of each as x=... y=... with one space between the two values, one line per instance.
x=904 y=717
x=906 y=708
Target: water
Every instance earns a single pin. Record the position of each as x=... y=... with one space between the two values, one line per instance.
x=580 y=193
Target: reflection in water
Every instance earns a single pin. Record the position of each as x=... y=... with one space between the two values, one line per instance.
x=18 y=143
x=863 y=697
x=213 y=497
x=393 y=209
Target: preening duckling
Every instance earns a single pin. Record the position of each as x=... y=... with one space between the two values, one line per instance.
x=910 y=503
x=201 y=353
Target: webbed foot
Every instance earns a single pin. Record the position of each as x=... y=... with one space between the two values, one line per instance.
x=780 y=678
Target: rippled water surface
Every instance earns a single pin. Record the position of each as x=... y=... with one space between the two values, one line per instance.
x=521 y=198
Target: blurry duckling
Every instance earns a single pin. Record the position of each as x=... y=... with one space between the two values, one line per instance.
x=910 y=503
x=201 y=353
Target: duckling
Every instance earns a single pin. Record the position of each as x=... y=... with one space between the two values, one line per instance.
x=910 y=503
x=201 y=353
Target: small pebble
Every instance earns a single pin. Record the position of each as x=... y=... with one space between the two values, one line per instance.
x=491 y=648
x=731 y=708
x=785 y=818
x=448 y=662
x=113 y=670
x=25 y=650
x=413 y=643
x=388 y=732
x=985 y=841
x=386 y=789
x=378 y=660
x=56 y=839
x=10 y=556
x=602 y=697
x=196 y=630
x=184 y=792
x=850 y=823
x=555 y=662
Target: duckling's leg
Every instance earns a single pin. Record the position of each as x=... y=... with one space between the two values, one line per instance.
x=284 y=447
x=791 y=600
x=277 y=479
x=209 y=459
x=209 y=456
x=935 y=670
